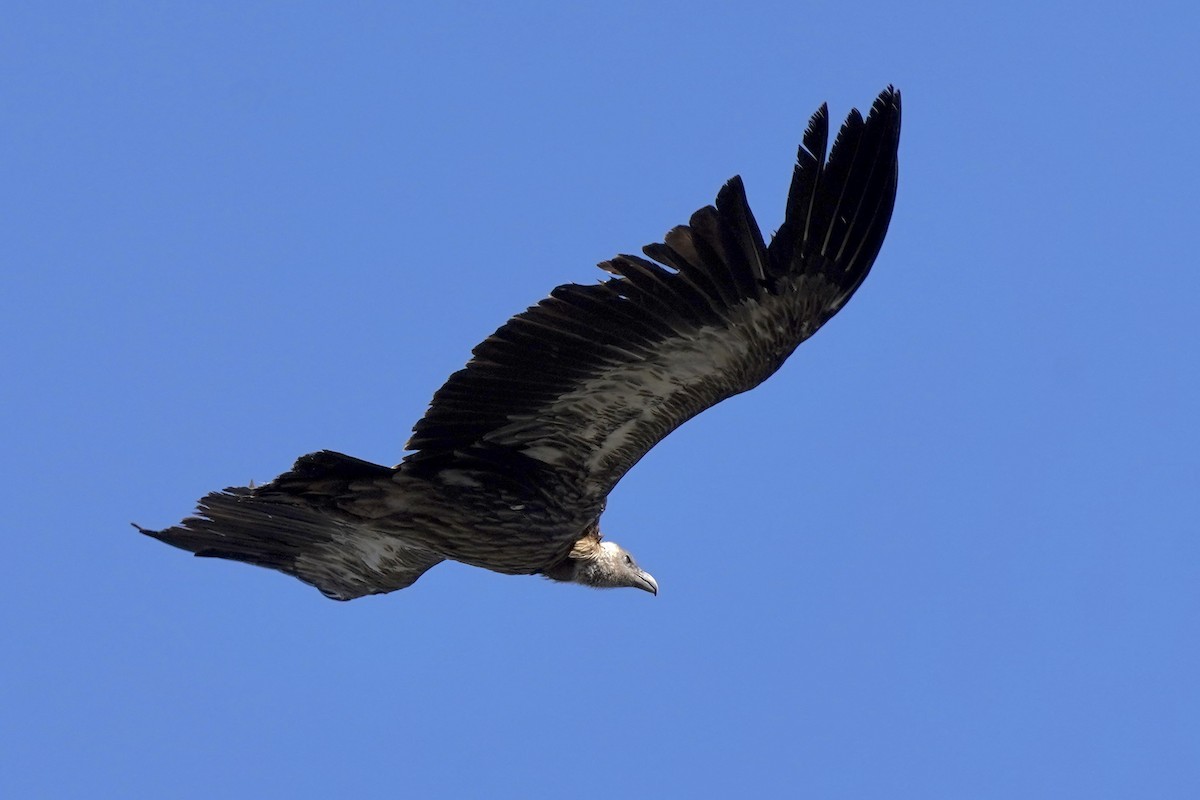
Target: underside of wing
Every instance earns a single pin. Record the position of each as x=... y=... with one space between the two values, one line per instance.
x=571 y=393
x=303 y=524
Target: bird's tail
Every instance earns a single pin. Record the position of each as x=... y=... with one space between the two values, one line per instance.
x=301 y=524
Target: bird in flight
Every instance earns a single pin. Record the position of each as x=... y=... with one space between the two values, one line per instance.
x=511 y=465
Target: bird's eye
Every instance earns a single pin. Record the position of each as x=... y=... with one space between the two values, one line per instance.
x=629 y=561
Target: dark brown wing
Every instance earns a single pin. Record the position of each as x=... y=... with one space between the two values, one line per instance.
x=304 y=523
x=568 y=395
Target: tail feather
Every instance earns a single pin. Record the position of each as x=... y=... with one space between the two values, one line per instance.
x=301 y=524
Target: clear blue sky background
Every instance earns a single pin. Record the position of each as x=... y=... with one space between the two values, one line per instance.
x=949 y=551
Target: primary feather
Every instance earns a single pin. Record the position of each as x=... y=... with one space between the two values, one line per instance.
x=511 y=464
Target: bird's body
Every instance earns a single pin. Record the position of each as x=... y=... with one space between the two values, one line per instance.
x=513 y=462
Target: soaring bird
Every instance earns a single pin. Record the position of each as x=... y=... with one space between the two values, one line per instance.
x=511 y=465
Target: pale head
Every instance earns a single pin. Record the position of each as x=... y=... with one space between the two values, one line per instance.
x=613 y=567
x=603 y=565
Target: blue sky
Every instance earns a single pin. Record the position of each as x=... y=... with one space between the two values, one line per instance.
x=948 y=551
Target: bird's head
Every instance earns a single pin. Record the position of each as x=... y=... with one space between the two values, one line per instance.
x=610 y=566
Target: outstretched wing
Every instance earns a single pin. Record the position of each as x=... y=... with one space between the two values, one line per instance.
x=575 y=390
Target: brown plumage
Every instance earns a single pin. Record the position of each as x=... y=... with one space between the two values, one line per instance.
x=513 y=460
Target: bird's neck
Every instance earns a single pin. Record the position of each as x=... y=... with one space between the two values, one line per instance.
x=583 y=564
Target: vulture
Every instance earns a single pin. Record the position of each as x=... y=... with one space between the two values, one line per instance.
x=510 y=467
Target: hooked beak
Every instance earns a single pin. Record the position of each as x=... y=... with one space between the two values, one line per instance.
x=645 y=581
